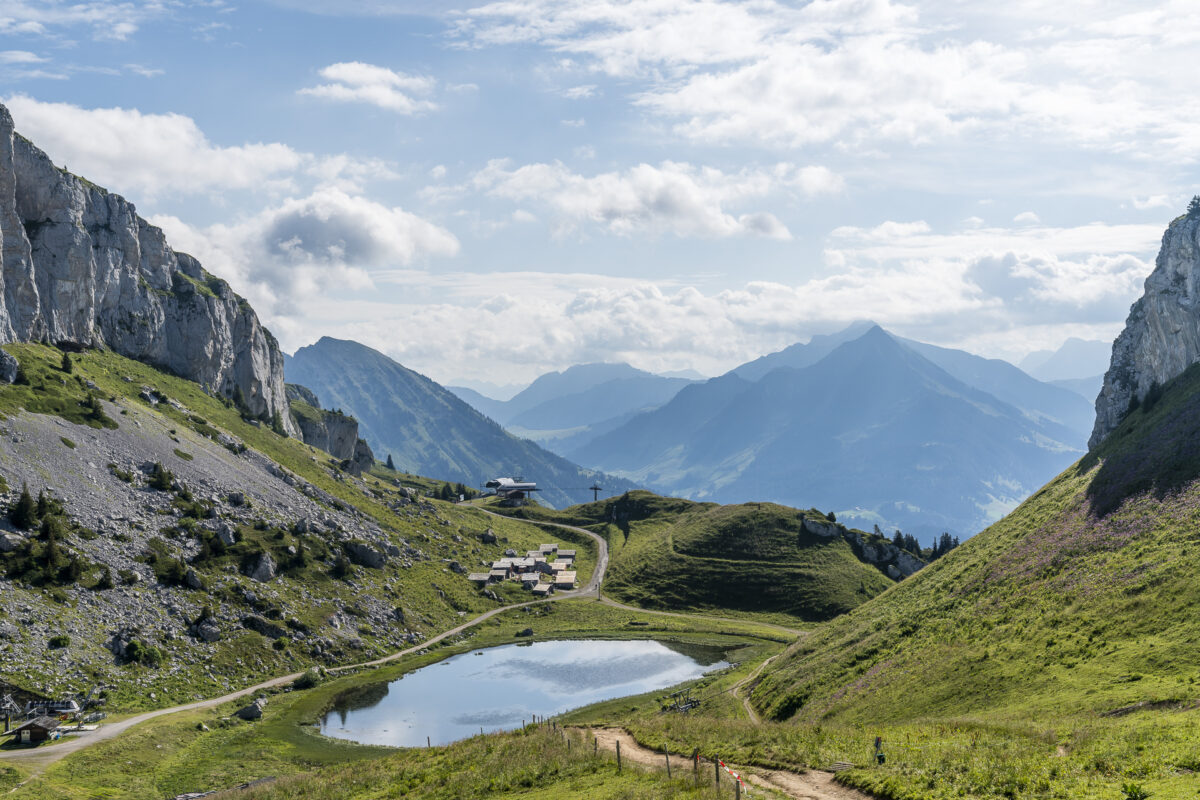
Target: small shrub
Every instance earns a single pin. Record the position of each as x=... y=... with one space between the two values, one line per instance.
x=1134 y=791
x=59 y=642
x=67 y=442
x=185 y=456
x=67 y=366
x=281 y=643
x=161 y=478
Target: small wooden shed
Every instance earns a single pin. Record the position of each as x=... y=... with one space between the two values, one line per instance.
x=38 y=729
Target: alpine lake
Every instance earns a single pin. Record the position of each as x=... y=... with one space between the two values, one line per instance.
x=499 y=688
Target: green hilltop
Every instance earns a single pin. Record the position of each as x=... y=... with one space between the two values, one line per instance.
x=753 y=558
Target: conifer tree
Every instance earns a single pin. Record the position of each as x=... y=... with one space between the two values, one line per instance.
x=23 y=514
x=391 y=464
x=67 y=366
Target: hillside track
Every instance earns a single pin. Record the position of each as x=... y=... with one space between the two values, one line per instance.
x=40 y=758
x=810 y=785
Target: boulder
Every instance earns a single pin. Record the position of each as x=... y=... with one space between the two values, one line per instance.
x=488 y=536
x=8 y=367
x=264 y=569
x=364 y=555
x=207 y=631
x=192 y=580
x=252 y=712
x=10 y=542
x=226 y=534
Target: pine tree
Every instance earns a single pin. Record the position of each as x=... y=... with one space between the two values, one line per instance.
x=106 y=582
x=898 y=539
x=1194 y=206
x=391 y=464
x=22 y=514
x=277 y=424
x=67 y=366
x=43 y=505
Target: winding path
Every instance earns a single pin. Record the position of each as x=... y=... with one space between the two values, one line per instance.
x=40 y=758
x=812 y=785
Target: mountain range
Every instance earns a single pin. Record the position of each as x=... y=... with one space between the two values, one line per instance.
x=427 y=429
x=883 y=430
x=565 y=410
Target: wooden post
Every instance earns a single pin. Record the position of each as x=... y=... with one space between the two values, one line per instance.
x=595 y=746
x=618 y=755
x=717 y=771
x=696 y=765
x=667 y=756
x=737 y=790
x=427 y=744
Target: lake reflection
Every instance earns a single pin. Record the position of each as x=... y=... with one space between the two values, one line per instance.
x=497 y=688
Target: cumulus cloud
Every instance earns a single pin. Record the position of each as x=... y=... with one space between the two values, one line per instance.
x=673 y=197
x=356 y=82
x=20 y=57
x=310 y=246
x=847 y=72
x=147 y=156
x=1026 y=218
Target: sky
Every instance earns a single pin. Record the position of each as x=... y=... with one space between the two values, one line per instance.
x=490 y=191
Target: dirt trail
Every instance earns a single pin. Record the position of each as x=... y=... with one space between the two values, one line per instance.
x=811 y=785
x=40 y=758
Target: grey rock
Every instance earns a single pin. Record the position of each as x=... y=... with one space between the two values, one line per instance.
x=192 y=580
x=253 y=711
x=825 y=530
x=296 y=392
x=236 y=499
x=457 y=567
x=226 y=534
x=8 y=367
x=488 y=536
x=264 y=570
x=364 y=555
x=80 y=266
x=10 y=542
x=1162 y=333
x=207 y=631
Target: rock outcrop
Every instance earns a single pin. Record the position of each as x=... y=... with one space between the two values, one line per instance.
x=331 y=431
x=80 y=267
x=1162 y=334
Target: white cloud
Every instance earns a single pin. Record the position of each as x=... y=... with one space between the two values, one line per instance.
x=1026 y=218
x=356 y=82
x=673 y=197
x=115 y=21
x=849 y=72
x=573 y=123
x=148 y=156
x=438 y=172
x=310 y=246
x=1153 y=201
x=20 y=57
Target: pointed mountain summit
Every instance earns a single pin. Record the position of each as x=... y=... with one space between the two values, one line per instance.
x=426 y=428
x=873 y=429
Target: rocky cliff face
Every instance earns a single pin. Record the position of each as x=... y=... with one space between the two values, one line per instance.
x=1162 y=334
x=81 y=267
x=331 y=431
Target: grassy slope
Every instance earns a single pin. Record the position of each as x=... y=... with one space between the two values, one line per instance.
x=247 y=657
x=755 y=558
x=173 y=754
x=1079 y=603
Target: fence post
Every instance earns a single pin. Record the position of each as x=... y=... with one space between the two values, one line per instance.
x=427 y=744
x=737 y=790
x=618 y=755
x=717 y=771
x=696 y=765
x=595 y=746
x=667 y=756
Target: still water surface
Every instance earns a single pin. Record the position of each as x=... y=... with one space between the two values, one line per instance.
x=496 y=688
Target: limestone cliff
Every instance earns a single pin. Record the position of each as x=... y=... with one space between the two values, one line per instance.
x=81 y=267
x=331 y=431
x=1162 y=334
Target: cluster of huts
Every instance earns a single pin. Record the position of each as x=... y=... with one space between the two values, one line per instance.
x=43 y=721
x=540 y=571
